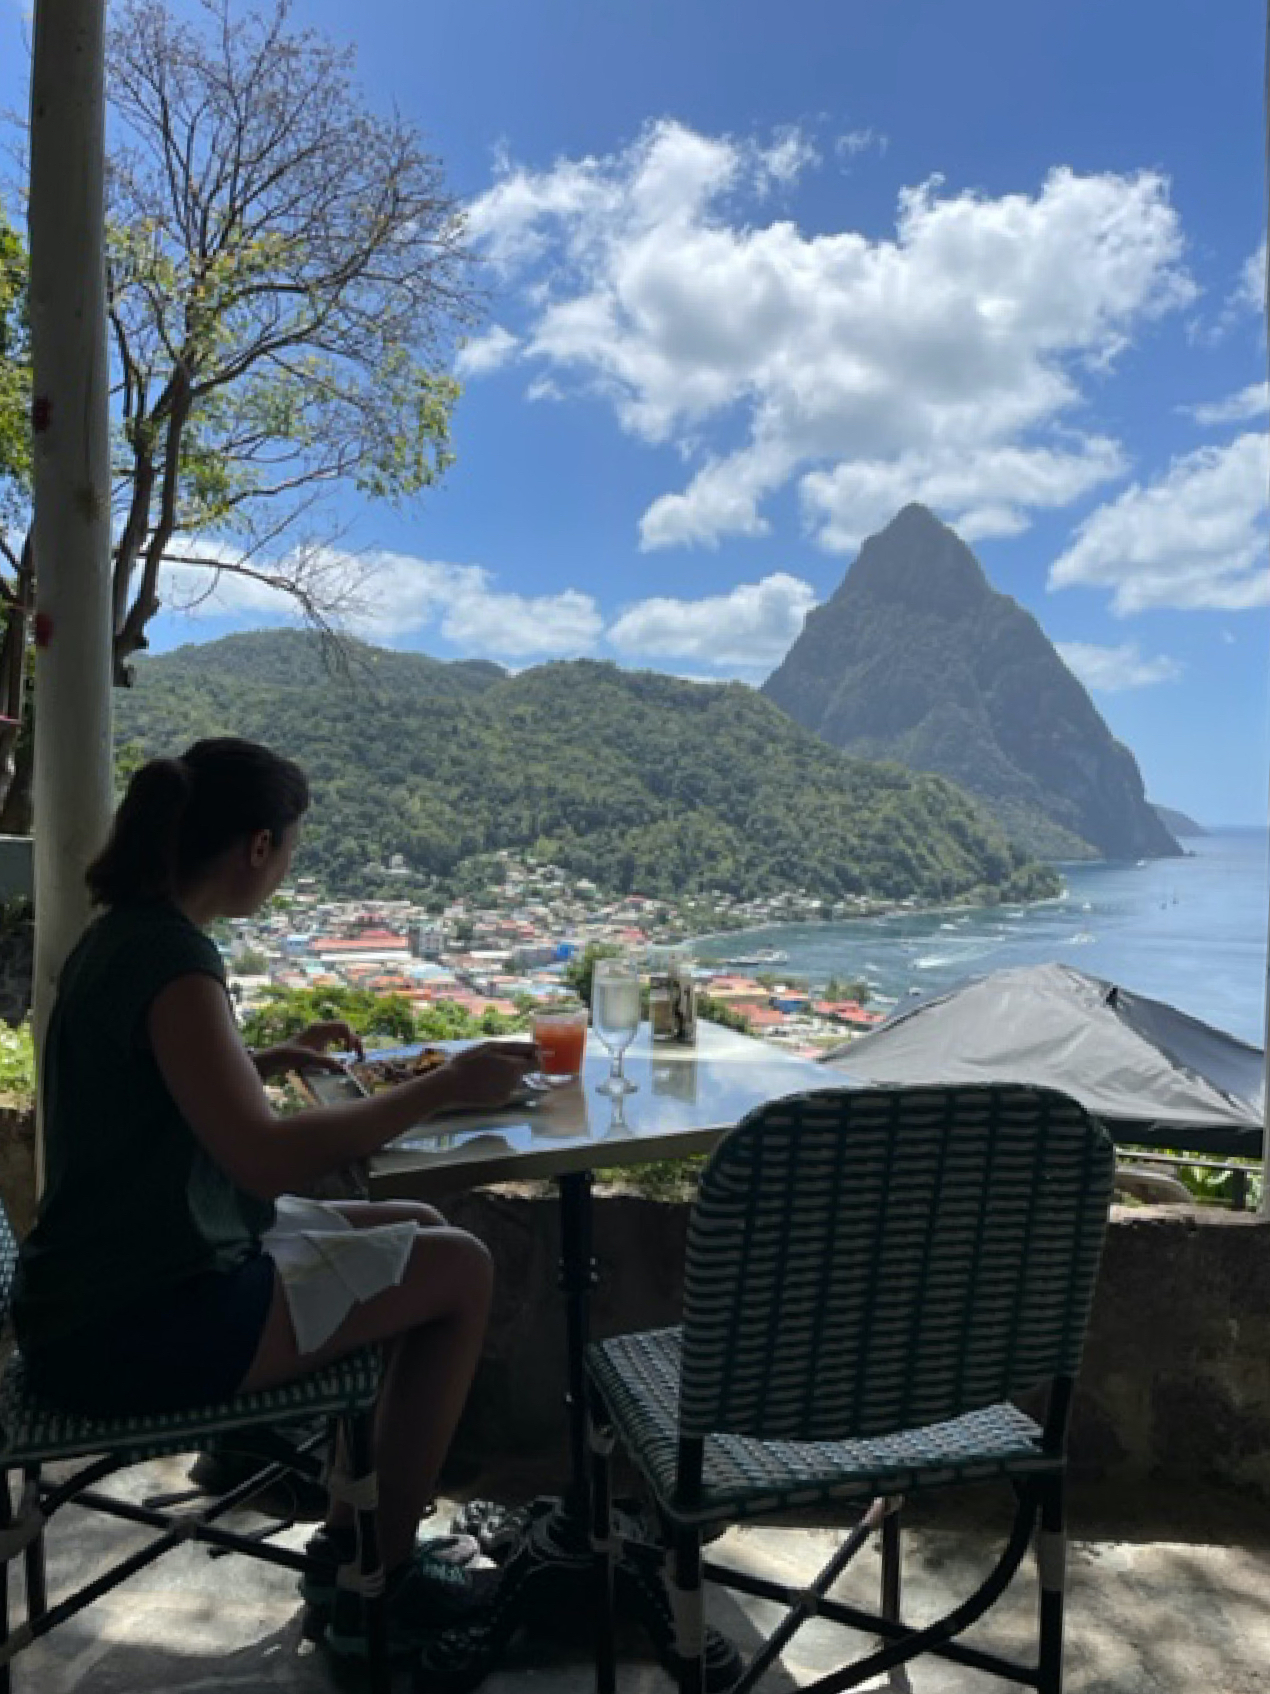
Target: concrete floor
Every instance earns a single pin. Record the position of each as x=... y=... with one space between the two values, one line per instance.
x=1165 y=1596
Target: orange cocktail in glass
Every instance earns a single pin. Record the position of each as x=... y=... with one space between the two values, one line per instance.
x=560 y=1037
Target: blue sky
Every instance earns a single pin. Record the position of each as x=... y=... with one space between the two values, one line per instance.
x=757 y=276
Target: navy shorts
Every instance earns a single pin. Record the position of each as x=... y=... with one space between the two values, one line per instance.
x=186 y=1345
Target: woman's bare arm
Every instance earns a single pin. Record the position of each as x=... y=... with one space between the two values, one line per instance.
x=218 y=1091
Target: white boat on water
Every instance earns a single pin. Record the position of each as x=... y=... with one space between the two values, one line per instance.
x=767 y=956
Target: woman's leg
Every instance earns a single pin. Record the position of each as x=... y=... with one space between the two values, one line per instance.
x=434 y=1323
x=366 y=1214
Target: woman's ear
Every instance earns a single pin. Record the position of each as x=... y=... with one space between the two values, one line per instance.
x=259 y=848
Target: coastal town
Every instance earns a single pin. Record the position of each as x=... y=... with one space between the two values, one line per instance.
x=508 y=947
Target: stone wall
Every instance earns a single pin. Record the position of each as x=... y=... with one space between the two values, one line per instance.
x=1176 y=1383
x=1175 y=1387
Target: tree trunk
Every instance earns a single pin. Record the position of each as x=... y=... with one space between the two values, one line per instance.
x=71 y=382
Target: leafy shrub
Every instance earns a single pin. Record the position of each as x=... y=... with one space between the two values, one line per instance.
x=17 y=1063
x=380 y=1019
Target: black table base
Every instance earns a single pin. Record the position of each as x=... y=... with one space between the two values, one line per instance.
x=547 y=1589
x=549 y=1580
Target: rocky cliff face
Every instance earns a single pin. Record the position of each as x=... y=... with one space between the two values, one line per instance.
x=917 y=658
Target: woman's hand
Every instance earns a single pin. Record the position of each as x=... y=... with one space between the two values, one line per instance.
x=489 y=1074
x=307 y=1050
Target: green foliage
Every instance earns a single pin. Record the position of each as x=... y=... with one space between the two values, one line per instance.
x=17 y=1063
x=380 y=1019
x=129 y=757
x=445 y=1021
x=1218 y=1187
x=848 y=988
x=250 y=961
x=636 y=781
x=15 y=378
x=578 y=971
x=718 y=1011
x=286 y=278
x=669 y=1180
x=286 y=1011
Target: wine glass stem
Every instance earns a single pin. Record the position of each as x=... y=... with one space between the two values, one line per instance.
x=615 y=1068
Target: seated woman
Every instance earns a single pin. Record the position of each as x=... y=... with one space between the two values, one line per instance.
x=170 y=1265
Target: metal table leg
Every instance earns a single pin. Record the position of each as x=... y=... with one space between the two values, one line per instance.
x=550 y=1575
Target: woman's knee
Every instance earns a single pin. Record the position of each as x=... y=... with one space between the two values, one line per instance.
x=369 y=1214
x=456 y=1263
x=409 y=1211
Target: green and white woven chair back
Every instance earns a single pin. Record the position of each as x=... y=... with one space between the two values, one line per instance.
x=8 y=1263
x=864 y=1261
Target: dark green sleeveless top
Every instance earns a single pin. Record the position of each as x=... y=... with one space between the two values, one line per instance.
x=131 y=1201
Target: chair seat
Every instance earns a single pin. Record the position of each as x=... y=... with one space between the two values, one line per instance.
x=638 y=1376
x=33 y=1429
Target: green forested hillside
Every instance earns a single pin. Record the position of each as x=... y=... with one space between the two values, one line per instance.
x=296 y=658
x=636 y=780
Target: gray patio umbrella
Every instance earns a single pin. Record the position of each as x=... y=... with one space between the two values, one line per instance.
x=1156 y=1076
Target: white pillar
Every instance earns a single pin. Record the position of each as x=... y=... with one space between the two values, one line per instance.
x=73 y=788
x=1265 y=1108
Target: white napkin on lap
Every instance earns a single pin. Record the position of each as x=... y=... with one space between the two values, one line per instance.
x=328 y=1265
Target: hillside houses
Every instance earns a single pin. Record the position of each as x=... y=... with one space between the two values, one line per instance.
x=501 y=949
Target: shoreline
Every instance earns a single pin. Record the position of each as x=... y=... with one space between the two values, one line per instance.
x=899 y=911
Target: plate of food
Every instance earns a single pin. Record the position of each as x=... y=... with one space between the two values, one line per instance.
x=388 y=1070
x=383 y=1070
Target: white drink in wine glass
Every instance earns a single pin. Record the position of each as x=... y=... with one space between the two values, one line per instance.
x=615 y=1016
x=616 y=1011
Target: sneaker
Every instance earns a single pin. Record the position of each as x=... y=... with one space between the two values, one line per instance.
x=434 y=1590
x=442 y=1558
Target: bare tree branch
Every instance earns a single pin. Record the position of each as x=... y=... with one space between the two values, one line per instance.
x=287 y=278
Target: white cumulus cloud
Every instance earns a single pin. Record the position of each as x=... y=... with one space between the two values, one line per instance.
x=857 y=141
x=1194 y=538
x=1250 y=402
x=522 y=626
x=1110 y=670
x=1251 y=289
x=751 y=627
x=389 y=598
x=990 y=488
x=485 y=353
x=948 y=361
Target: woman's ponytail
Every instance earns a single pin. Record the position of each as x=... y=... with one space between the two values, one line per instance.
x=139 y=860
x=178 y=815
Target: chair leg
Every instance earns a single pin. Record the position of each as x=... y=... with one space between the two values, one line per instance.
x=891 y=1570
x=357 y=1445
x=688 y=1602
x=36 y=1584
x=6 y=1518
x=602 y=1551
x=892 y=1584
x=1051 y=1563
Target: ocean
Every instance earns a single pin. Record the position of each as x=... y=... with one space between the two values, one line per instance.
x=1191 y=931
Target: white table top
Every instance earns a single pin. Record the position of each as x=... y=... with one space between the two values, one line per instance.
x=687 y=1098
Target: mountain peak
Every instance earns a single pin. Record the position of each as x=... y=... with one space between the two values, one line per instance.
x=919 y=561
x=918 y=659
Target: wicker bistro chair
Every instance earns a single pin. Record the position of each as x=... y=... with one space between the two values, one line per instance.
x=871 y=1276
x=34 y=1433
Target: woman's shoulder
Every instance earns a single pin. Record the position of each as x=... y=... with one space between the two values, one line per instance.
x=138 y=937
